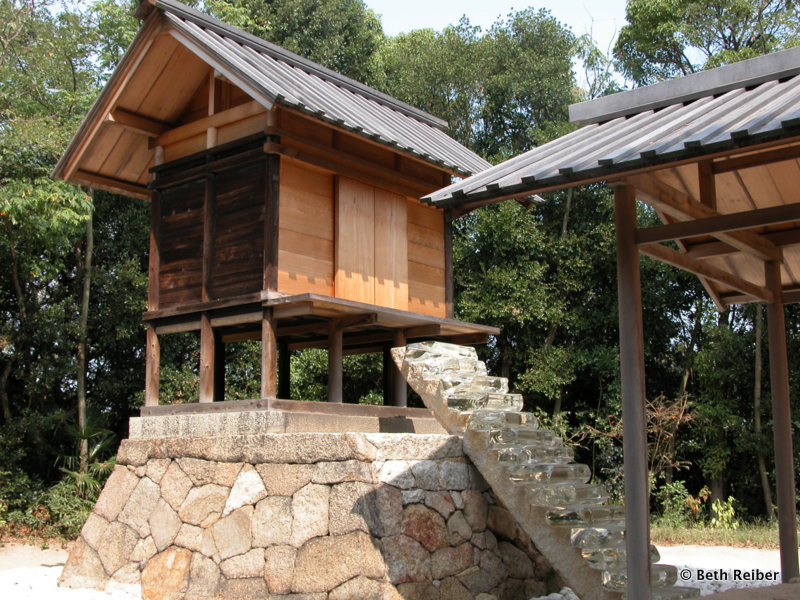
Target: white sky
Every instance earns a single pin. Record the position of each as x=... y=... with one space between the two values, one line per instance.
x=603 y=18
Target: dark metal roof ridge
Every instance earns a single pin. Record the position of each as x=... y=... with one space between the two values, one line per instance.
x=746 y=73
x=201 y=19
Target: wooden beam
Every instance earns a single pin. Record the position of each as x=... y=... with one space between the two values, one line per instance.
x=334 y=363
x=137 y=123
x=678 y=204
x=634 y=438
x=207 y=347
x=399 y=395
x=110 y=184
x=284 y=371
x=708 y=186
x=421 y=331
x=449 y=293
x=338 y=130
x=271 y=220
x=220 y=119
x=764 y=157
x=702 y=269
x=350 y=167
x=782 y=430
x=219 y=368
x=153 y=367
x=209 y=228
x=293 y=140
x=782 y=239
x=269 y=351
x=762 y=217
x=154 y=264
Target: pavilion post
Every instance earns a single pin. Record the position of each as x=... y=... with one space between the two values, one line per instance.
x=269 y=351
x=399 y=386
x=782 y=426
x=335 y=351
x=634 y=440
x=153 y=367
x=207 y=361
x=284 y=371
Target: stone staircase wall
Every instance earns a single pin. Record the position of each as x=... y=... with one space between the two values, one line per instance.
x=310 y=516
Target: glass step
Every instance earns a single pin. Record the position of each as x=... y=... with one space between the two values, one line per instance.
x=595 y=538
x=560 y=495
x=523 y=455
x=583 y=515
x=661 y=576
x=517 y=436
x=489 y=420
x=549 y=473
x=613 y=559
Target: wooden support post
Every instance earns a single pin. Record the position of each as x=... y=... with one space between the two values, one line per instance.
x=269 y=351
x=399 y=387
x=634 y=435
x=219 y=368
x=782 y=420
x=448 y=263
x=335 y=335
x=154 y=266
x=153 y=368
x=207 y=347
x=284 y=371
x=388 y=374
x=207 y=289
x=271 y=221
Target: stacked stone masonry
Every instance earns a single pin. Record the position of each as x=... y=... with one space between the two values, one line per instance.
x=304 y=516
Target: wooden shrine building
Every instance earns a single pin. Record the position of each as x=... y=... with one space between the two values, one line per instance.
x=284 y=200
x=717 y=155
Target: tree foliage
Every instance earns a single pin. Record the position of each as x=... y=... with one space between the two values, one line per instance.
x=665 y=39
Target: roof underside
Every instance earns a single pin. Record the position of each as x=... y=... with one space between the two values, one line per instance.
x=167 y=68
x=725 y=161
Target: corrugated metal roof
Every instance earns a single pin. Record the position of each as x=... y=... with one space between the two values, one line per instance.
x=739 y=117
x=273 y=74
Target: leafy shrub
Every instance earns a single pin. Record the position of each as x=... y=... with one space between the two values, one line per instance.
x=724 y=514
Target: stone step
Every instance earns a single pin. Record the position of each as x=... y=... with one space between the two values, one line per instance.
x=531 y=472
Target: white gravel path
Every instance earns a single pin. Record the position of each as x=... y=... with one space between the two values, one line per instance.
x=30 y=573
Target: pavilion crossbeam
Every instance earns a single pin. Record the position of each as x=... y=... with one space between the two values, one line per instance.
x=773 y=215
x=693 y=265
x=676 y=203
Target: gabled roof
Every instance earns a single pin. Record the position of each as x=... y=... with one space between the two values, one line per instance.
x=267 y=73
x=721 y=110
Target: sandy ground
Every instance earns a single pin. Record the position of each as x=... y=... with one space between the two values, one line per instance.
x=31 y=573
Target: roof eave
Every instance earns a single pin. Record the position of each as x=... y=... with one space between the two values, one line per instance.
x=71 y=156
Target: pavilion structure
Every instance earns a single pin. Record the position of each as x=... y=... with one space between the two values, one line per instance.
x=717 y=155
x=285 y=202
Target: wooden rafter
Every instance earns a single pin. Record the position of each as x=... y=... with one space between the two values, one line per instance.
x=137 y=123
x=782 y=239
x=703 y=269
x=673 y=202
x=110 y=184
x=756 y=159
x=773 y=215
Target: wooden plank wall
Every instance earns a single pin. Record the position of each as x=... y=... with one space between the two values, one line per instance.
x=391 y=250
x=306 y=230
x=426 y=262
x=239 y=240
x=181 y=270
x=355 y=240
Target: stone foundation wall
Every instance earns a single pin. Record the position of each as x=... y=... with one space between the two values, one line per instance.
x=312 y=516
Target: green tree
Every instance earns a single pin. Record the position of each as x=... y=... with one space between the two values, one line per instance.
x=677 y=37
x=339 y=34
